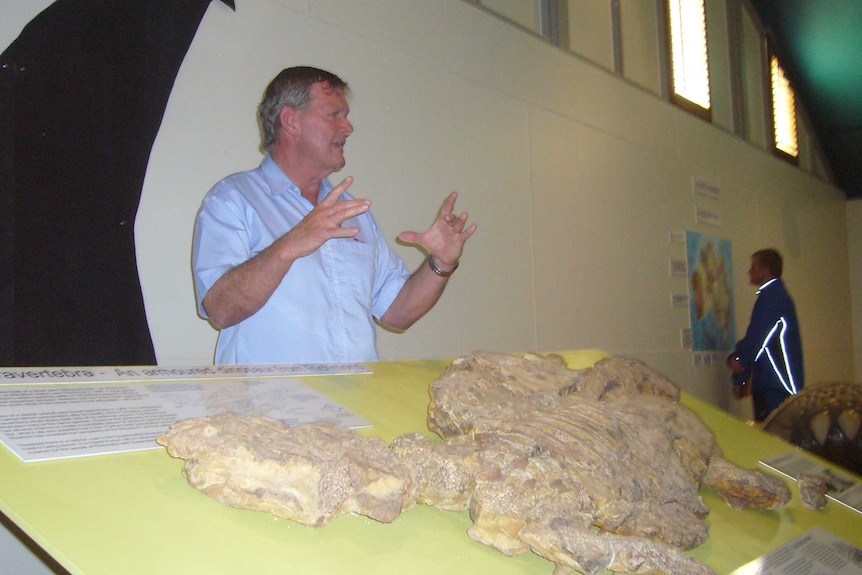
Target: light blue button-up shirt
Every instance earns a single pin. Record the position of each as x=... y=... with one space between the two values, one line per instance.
x=323 y=309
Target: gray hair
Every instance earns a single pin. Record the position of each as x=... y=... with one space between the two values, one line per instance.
x=292 y=87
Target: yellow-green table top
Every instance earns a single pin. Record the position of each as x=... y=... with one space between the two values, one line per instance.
x=133 y=513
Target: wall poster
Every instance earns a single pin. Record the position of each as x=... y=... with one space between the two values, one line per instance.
x=710 y=288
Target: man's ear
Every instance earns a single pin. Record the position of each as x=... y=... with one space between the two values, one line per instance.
x=288 y=119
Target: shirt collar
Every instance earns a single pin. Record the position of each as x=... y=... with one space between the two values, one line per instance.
x=279 y=183
x=763 y=287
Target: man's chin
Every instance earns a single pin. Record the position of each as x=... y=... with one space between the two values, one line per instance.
x=339 y=166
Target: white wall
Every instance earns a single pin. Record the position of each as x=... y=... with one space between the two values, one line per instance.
x=575 y=176
x=854 y=234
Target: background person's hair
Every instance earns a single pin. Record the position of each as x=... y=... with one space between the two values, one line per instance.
x=771 y=260
x=292 y=87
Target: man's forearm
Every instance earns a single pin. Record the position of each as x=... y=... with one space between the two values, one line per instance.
x=418 y=295
x=243 y=290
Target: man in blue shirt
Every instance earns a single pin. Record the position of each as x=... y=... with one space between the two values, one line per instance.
x=769 y=357
x=292 y=269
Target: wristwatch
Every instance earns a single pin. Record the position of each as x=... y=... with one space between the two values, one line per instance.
x=438 y=271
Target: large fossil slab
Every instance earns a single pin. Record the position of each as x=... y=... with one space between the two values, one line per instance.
x=593 y=469
x=825 y=419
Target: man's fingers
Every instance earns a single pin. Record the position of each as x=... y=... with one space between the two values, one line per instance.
x=469 y=232
x=345 y=232
x=409 y=237
x=335 y=193
x=449 y=203
x=342 y=210
x=346 y=209
x=456 y=222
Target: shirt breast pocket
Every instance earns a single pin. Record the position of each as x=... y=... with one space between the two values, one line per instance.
x=359 y=262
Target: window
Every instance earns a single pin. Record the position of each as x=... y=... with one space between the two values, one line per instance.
x=539 y=16
x=686 y=21
x=783 y=111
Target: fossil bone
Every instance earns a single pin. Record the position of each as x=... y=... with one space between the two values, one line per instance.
x=592 y=469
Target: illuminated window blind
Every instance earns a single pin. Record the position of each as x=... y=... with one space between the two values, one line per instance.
x=689 y=62
x=783 y=110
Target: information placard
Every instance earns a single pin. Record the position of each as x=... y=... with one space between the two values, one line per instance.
x=39 y=422
x=841 y=488
x=818 y=552
x=104 y=374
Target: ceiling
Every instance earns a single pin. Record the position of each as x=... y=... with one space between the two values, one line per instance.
x=819 y=45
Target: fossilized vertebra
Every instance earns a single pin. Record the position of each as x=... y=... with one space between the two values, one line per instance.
x=541 y=455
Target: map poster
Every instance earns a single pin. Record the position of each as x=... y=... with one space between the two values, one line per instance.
x=710 y=288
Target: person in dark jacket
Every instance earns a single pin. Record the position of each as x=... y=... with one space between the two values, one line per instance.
x=767 y=362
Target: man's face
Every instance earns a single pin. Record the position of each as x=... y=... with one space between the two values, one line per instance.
x=323 y=129
x=758 y=273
